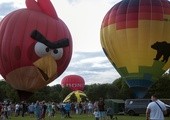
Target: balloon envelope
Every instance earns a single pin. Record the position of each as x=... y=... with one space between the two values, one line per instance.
x=74 y=82
x=135 y=38
x=78 y=94
x=35 y=46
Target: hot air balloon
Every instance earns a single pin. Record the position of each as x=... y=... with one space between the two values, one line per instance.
x=35 y=46
x=74 y=82
x=79 y=95
x=135 y=38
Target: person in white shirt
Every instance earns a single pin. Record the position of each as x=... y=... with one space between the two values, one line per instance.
x=17 y=110
x=96 y=114
x=155 y=109
x=90 y=107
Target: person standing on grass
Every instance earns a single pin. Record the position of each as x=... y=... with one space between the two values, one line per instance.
x=23 y=108
x=90 y=107
x=96 y=114
x=5 y=111
x=53 y=109
x=31 y=110
x=110 y=113
x=80 y=107
x=37 y=110
x=101 y=107
x=155 y=109
x=9 y=110
x=1 y=106
x=44 y=108
x=49 y=110
x=17 y=109
x=77 y=107
x=67 y=107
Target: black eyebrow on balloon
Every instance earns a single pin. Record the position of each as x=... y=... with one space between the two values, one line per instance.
x=36 y=35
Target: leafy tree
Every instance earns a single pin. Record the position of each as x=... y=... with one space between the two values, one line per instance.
x=161 y=87
x=118 y=89
x=57 y=88
x=7 y=92
x=73 y=98
x=124 y=90
x=64 y=92
x=54 y=96
x=112 y=91
x=118 y=83
x=92 y=92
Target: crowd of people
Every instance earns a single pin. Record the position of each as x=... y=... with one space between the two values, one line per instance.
x=37 y=109
x=42 y=109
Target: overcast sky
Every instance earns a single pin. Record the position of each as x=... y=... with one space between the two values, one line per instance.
x=83 y=18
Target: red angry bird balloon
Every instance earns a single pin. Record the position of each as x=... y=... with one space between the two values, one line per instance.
x=35 y=46
x=74 y=82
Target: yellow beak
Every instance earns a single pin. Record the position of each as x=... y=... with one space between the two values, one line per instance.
x=47 y=65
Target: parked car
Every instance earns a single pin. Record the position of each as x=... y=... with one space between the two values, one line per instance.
x=138 y=106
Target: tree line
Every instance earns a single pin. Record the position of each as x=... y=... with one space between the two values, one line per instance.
x=116 y=90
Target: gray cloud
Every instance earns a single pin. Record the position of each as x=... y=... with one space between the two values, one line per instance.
x=90 y=61
x=6 y=7
x=94 y=67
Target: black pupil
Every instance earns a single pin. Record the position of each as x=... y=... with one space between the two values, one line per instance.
x=55 y=51
x=47 y=49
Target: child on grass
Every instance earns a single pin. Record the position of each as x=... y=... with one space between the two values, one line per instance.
x=96 y=114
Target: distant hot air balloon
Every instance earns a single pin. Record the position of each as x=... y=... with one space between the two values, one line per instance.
x=80 y=96
x=74 y=82
x=135 y=36
x=35 y=46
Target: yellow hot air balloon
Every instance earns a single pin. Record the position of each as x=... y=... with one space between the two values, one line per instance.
x=135 y=36
x=78 y=94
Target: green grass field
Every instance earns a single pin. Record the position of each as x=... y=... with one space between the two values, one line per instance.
x=84 y=117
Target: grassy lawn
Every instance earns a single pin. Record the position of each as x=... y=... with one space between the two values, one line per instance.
x=84 y=117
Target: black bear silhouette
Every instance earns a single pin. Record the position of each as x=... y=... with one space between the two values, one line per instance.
x=163 y=49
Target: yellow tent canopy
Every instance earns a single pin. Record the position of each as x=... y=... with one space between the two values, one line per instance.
x=78 y=94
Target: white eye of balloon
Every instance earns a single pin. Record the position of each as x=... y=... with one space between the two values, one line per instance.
x=41 y=49
x=57 y=53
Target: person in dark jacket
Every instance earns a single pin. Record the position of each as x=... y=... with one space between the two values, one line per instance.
x=101 y=107
x=110 y=113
